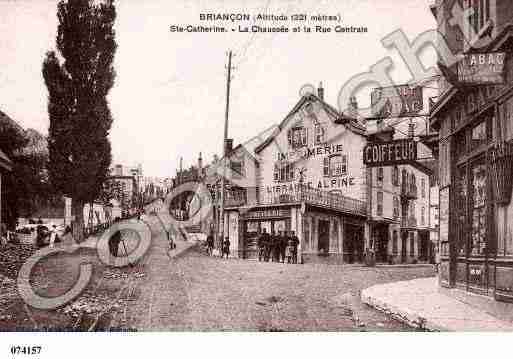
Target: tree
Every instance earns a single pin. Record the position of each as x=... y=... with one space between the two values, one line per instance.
x=80 y=118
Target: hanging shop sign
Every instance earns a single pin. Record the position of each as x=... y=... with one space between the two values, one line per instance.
x=397 y=101
x=268 y=213
x=390 y=153
x=481 y=69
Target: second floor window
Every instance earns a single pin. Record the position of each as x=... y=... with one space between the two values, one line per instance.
x=423 y=216
x=380 y=176
x=297 y=137
x=283 y=172
x=423 y=187
x=320 y=137
x=395 y=176
x=236 y=167
x=379 y=209
x=396 y=206
x=335 y=165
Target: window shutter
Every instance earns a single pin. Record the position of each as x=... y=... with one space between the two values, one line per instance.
x=305 y=136
x=276 y=173
x=289 y=136
x=291 y=172
x=326 y=166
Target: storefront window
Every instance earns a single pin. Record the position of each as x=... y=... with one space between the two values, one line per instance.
x=394 y=242
x=396 y=206
x=478 y=198
x=461 y=208
x=412 y=244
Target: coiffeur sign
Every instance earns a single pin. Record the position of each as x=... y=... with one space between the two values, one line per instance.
x=397 y=101
x=481 y=69
x=390 y=153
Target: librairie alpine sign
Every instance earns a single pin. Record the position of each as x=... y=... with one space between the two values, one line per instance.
x=390 y=153
x=481 y=69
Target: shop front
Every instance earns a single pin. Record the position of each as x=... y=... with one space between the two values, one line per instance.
x=476 y=210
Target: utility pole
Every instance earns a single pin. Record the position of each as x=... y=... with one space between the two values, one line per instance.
x=225 y=160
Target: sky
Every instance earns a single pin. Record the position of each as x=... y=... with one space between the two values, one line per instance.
x=169 y=97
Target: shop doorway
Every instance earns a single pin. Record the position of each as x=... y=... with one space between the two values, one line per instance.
x=381 y=243
x=353 y=243
x=324 y=237
x=424 y=246
x=404 y=240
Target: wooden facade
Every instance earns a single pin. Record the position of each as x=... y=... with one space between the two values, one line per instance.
x=475 y=126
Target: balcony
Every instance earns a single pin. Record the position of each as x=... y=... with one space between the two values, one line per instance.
x=408 y=191
x=409 y=222
x=302 y=194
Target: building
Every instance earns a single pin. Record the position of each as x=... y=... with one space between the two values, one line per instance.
x=434 y=215
x=473 y=115
x=398 y=207
x=310 y=179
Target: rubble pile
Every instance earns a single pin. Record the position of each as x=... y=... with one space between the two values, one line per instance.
x=12 y=257
x=92 y=304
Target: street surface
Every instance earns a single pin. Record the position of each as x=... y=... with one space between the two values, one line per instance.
x=198 y=293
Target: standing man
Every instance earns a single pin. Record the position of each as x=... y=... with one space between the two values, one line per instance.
x=226 y=248
x=210 y=243
x=283 y=245
x=262 y=241
x=295 y=245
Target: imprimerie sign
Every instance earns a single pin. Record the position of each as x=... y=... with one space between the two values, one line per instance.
x=390 y=153
x=482 y=69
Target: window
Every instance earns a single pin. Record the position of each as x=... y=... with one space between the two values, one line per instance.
x=395 y=176
x=379 y=210
x=380 y=176
x=480 y=14
x=394 y=242
x=412 y=244
x=320 y=137
x=283 y=172
x=335 y=165
x=423 y=187
x=236 y=167
x=423 y=216
x=478 y=198
x=413 y=184
x=396 y=207
x=297 y=137
x=479 y=136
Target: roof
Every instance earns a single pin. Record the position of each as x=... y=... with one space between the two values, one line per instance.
x=5 y=162
x=340 y=118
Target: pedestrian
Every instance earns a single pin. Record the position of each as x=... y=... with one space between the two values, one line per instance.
x=53 y=235
x=263 y=240
x=226 y=248
x=277 y=247
x=269 y=247
x=295 y=245
x=114 y=241
x=289 y=249
x=283 y=245
x=210 y=243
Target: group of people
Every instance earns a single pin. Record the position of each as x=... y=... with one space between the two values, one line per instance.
x=225 y=246
x=278 y=248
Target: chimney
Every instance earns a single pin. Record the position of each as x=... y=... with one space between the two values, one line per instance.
x=229 y=145
x=200 y=164
x=320 y=91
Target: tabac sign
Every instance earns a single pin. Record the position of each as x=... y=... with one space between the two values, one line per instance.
x=397 y=101
x=390 y=153
x=481 y=69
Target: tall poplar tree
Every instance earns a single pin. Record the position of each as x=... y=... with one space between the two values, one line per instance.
x=78 y=78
